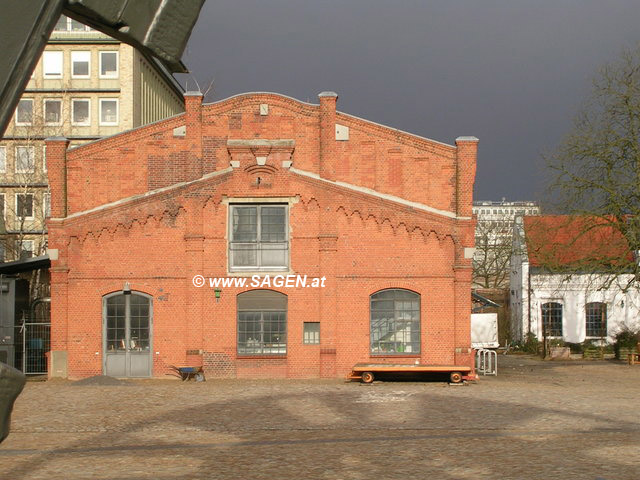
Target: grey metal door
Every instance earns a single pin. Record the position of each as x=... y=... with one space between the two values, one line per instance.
x=127 y=321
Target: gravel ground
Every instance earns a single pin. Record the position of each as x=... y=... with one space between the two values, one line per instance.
x=535 y=420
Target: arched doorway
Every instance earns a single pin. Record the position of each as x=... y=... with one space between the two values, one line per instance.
x=127 y=334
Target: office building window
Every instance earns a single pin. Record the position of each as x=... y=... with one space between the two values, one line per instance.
x=80 y=64
x=24 y=112
x=109 y=64
x=25 y=162
x=80 y=111
x=108 y=111
x=52 y=63
x=24 y=205
x=52 y=111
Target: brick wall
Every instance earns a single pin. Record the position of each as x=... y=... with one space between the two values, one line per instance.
x=375 y=211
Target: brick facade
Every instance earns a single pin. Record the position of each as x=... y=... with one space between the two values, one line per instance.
x=377 y=209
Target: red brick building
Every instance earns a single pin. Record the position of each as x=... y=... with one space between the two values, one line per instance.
x=259 y=185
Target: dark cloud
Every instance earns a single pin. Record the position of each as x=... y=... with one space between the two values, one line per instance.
x=511 y=72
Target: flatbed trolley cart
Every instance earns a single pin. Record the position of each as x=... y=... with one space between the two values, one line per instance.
x=366 y=372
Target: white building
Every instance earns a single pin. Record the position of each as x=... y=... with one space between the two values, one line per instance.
x=494 y=232
x=570 y=305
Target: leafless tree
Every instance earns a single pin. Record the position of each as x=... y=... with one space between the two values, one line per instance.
x=493 y=254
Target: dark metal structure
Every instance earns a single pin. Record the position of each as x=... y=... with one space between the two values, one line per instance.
x=158 y=28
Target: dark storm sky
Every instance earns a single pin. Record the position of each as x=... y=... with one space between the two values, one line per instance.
x=511 y=72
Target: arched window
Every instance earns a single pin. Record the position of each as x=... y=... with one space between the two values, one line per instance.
x=552 y=319
x=395 y=322
x=596 y=319
x=262 y=323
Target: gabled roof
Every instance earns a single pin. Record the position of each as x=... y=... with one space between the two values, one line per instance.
x=574 y=242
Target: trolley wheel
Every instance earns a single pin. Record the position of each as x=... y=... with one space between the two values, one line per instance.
x=367 y=377
x=455 y=377
x=200 y=377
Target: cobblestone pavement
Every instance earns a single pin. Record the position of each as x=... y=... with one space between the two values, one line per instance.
x=536 y=420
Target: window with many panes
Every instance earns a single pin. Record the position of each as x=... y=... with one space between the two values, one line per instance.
x=262 y=323
x=259 y=237
x=128 y=318
x=552 y=319
x=66 y=24
x=395 y=322
x=108 y=111
x=52 y=111
x=24 y=205
x=24 y=112
x=311 y=333
x=80 y=64
x=596 y=319
x=25 y=161
x=80 y=111
x=109 y=64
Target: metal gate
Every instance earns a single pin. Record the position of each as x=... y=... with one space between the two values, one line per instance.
x=36 y=340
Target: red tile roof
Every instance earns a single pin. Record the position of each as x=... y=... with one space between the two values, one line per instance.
x=571 y=242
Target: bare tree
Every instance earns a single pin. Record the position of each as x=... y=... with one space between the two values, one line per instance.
x=596 y=170
x=493 y=253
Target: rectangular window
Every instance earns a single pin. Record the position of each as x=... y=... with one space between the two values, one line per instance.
x=52 y=63
x=552 y=319
x=2 y=217
x=80 y=111
x=108 y=111
x=46 y=205
x=80 y=64
x=52 y=111
x=24 y=205
x=596 y=319
x=25 y=162
x=259 y=237
x=108 y=64
x=44 y=158
x=61 y=26
x=311 y=333
x=3 y=159
x=26 y=249
x=24 y=112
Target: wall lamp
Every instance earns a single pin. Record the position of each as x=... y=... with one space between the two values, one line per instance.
x=217 y=293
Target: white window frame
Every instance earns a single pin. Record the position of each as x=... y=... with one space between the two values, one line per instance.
x=101 y=75
x=3 y=159
x=44 y=158
x=49 y=56
x=33 y=159
x=73 y=121
x=81 y=53
x=18 y=122
x=44 y=110
x=32 y=207
x=25 y=242
x=109 y=124
x=46 y=201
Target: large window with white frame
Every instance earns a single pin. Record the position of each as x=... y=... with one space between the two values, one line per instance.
x=24 y=112
x=551 y=319
x=80 y=111
x=395 y=322
x=80 y=64
x=3 y=159
x=52 y=64
x=108 y=111
x=52 y=108
x=25 y=161
x=596 y=319
x=24 y=206
x=259 y=238
x=108 y=64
